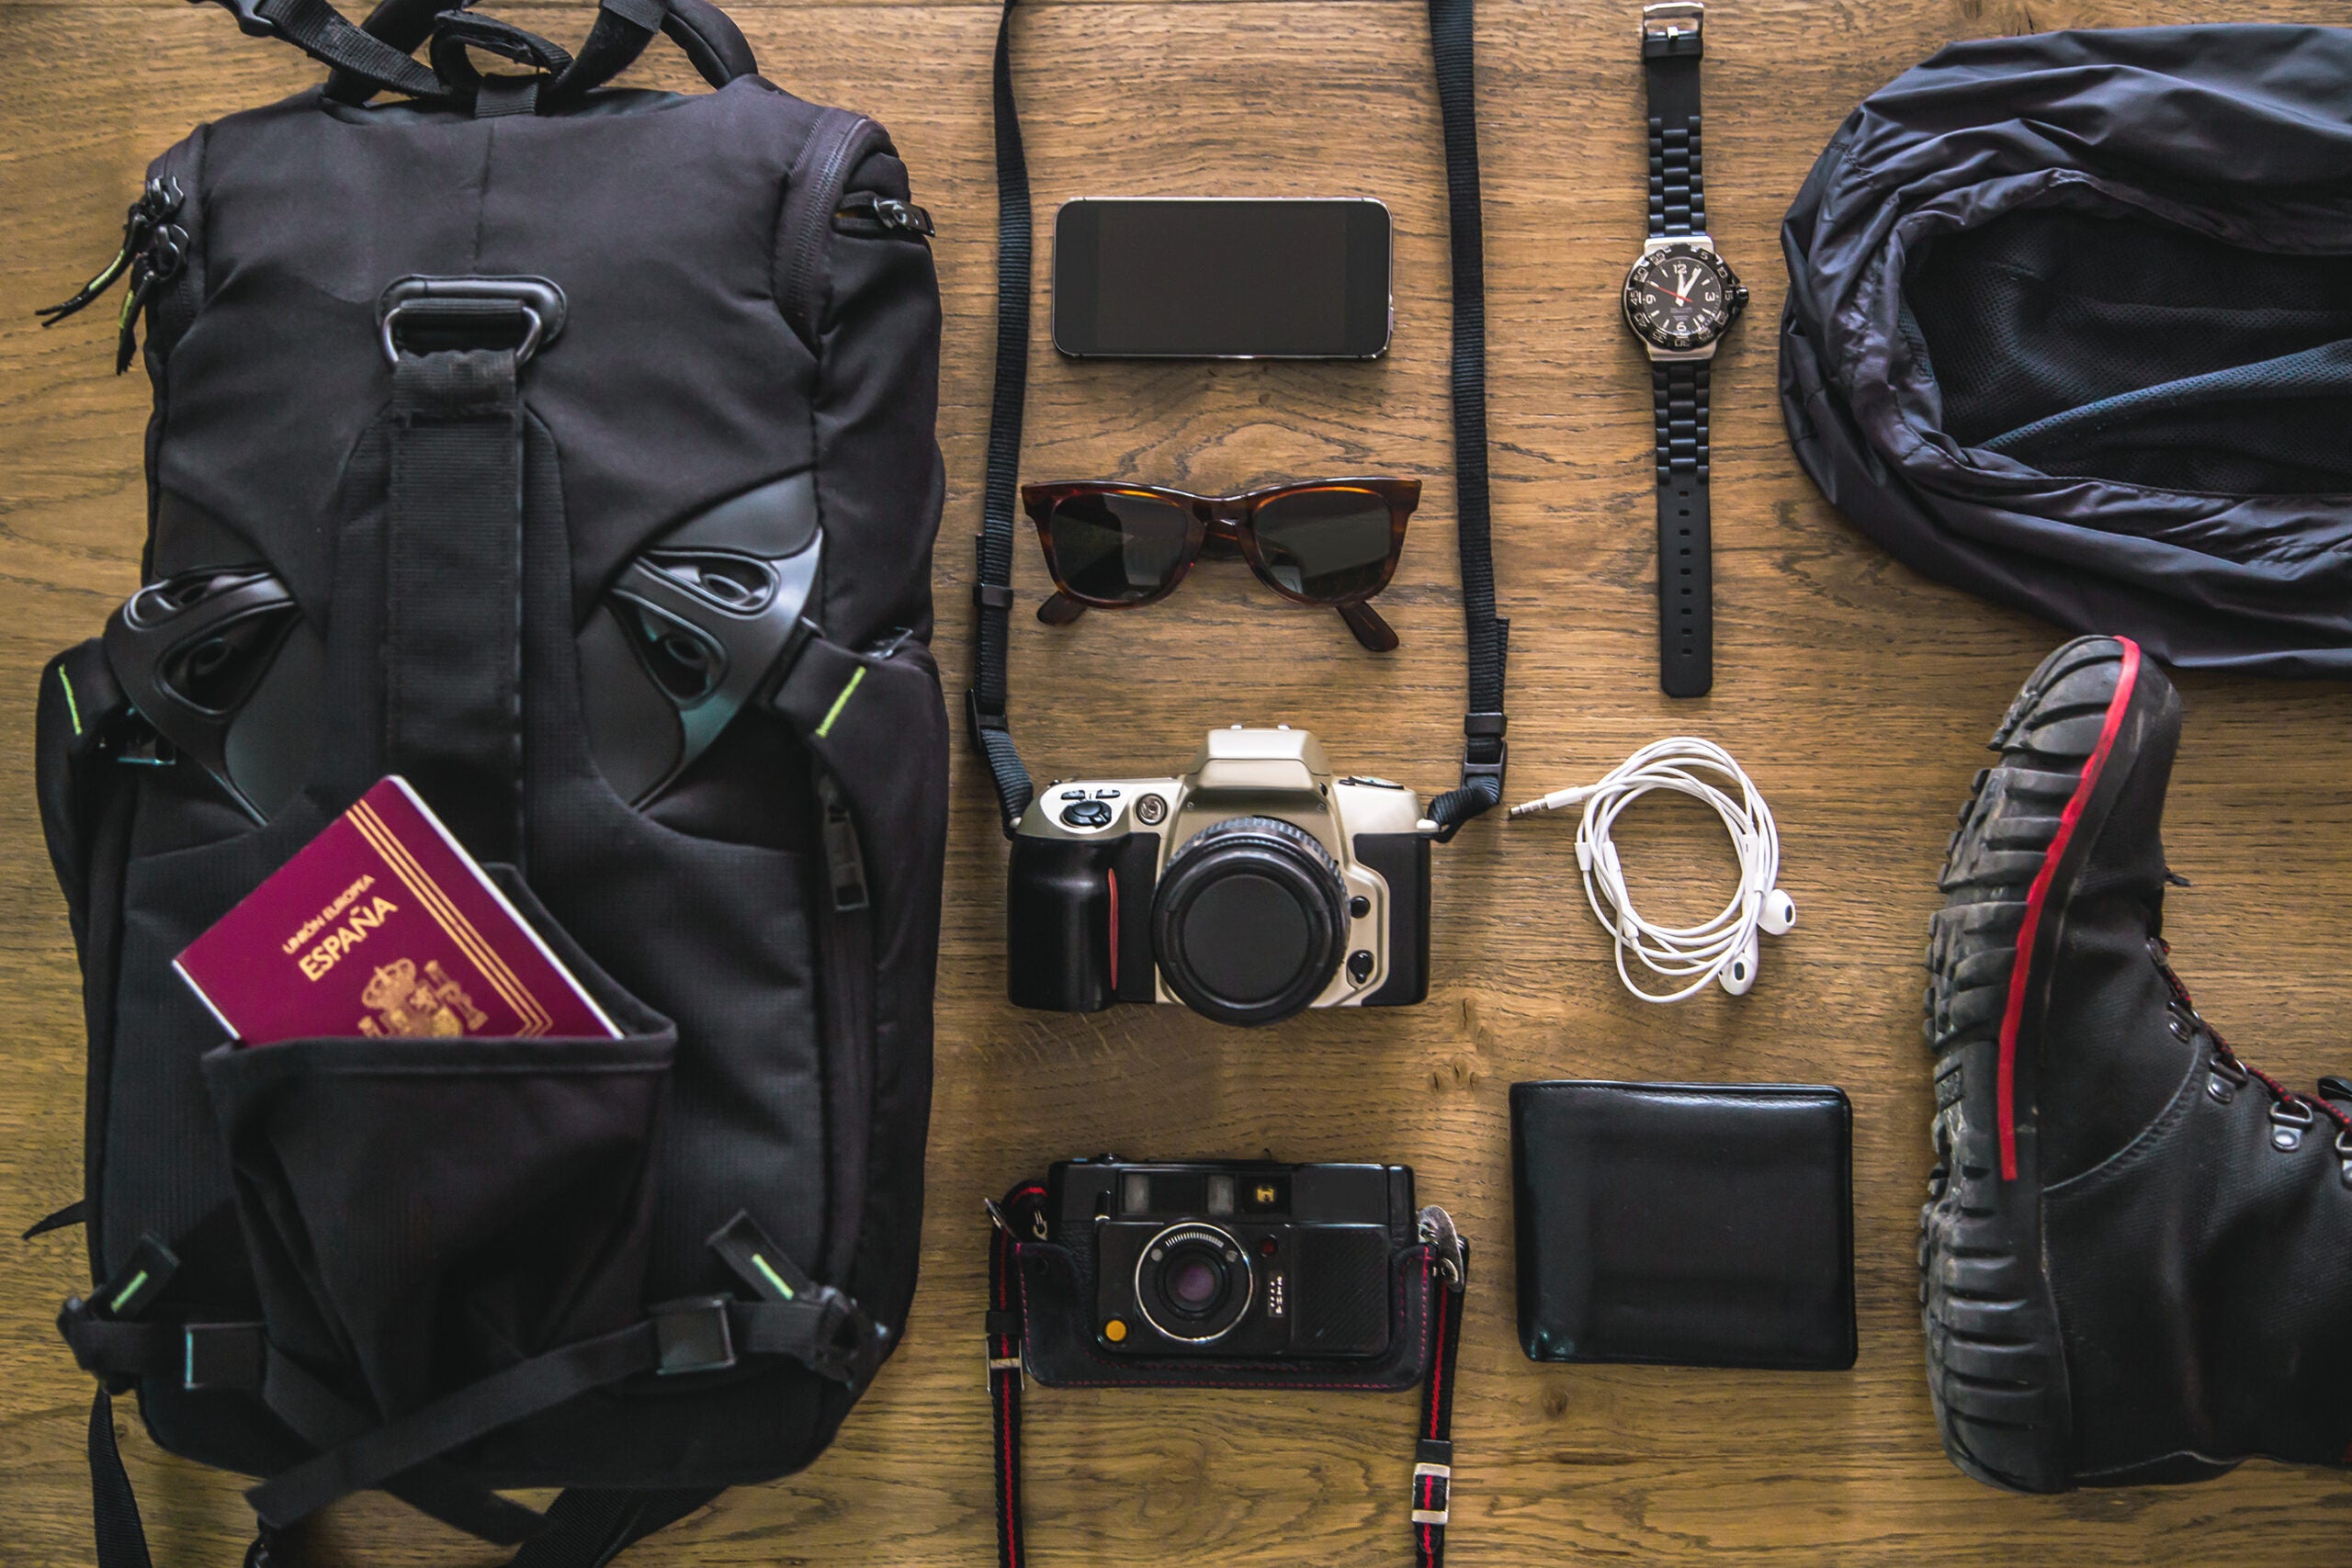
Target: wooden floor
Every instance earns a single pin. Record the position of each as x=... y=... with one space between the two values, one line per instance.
x=1857 y=693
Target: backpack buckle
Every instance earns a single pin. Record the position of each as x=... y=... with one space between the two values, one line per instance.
x=848 y=1344
x=220 y=1355
x=250 y=21
x=471 y=312
x=693 y=1336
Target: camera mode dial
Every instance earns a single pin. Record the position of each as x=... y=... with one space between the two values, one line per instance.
x=1249 y=920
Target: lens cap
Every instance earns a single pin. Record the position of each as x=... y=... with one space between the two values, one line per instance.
x=1249 y=920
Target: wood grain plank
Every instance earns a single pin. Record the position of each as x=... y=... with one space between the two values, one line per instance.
x=1856 y=693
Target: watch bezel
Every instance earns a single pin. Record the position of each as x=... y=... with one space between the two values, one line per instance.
x=1735 y=295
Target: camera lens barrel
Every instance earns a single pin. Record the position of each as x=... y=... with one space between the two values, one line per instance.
x=1193 y=1282
x=1249 y=920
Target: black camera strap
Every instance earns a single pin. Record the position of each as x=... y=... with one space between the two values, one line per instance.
x=1007 y=1328
x=1485 y=751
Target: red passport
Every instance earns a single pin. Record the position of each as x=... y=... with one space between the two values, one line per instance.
x=383 y=925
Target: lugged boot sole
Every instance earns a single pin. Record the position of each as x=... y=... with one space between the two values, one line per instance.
x=1997 y=1369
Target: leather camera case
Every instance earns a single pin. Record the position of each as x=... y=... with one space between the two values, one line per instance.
x=1056 y=1308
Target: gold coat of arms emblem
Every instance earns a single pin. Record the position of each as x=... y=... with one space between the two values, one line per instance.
x=408 y=1003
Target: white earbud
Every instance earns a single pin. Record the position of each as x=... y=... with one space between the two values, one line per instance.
x=1740 y=974
x=1778 y=914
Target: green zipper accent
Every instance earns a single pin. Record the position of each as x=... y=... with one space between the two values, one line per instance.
x=841 y=702
x=761 y=1263
x=128 y=1290
x=72 y=708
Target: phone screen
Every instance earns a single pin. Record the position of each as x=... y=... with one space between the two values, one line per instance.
x=1186 y=279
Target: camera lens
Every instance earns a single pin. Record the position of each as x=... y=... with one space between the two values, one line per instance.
x=1193 y=1282
x=1249 y=920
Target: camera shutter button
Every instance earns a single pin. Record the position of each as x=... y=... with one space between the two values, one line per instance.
x=1086 y=814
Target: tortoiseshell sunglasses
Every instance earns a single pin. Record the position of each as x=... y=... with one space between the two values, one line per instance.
x=1332 y=542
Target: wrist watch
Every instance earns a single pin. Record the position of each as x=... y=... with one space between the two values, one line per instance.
x=1679 y=300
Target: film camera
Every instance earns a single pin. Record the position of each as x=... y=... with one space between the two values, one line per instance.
x=1236 y=1260
x=1254 y=887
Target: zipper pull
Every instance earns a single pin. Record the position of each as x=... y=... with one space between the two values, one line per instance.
x=158 y=264
x=160 y=200
x=886 y=212
x=844 y=858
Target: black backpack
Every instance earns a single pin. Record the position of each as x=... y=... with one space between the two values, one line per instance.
x=569 y=451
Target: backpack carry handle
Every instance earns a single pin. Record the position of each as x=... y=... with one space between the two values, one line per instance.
x=377 y=56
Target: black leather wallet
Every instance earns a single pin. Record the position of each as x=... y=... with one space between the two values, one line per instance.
x=1701 y=1224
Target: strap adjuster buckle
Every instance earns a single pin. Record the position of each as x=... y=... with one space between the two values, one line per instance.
x=978 y=719
x=1481 y=729
x=693 y=1336
x=220 y=1355
x=250 y=21
x=1432 y=1489
x=1472 y=768
x=849 y=1345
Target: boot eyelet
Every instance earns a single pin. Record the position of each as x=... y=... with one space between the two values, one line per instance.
x=2180 y=1027
x=2288 y=1120
x=2225 y=1078
x=2344 y=1156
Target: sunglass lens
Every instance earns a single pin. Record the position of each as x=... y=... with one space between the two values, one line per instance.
x=1117 y=547
x=1325 y=544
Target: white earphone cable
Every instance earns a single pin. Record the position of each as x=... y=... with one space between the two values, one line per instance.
x=1722 y=949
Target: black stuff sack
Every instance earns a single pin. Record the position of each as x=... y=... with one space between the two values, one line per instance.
x=582 y=471
x=2069 y=325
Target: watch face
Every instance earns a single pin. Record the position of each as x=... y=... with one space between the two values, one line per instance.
x=1681 y=296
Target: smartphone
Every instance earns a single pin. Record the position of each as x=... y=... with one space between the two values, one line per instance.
x=1188 y=277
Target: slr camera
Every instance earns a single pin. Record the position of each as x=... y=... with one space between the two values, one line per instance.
x=1253 y=887
x=1236 y=1260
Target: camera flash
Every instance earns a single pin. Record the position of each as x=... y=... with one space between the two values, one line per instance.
x=1220 y=1194
x=1114 y=1330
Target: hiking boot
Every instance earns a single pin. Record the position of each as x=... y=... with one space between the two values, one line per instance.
x=2136 y=1256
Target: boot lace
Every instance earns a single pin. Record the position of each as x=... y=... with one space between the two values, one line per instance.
x=2291 y=1112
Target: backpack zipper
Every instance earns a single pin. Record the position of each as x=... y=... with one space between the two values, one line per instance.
x=163 y=260
x=833 y=169
x=844 y=856
x=154 y=252
x=866 y=213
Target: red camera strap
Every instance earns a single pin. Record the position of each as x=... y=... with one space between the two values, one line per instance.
x=1432 y=1455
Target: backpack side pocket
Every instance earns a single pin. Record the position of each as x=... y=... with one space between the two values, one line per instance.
x=85 y=801
x=79 y=711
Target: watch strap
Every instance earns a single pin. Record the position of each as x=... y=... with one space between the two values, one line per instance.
x=1672 y=40
x=1686 y=616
